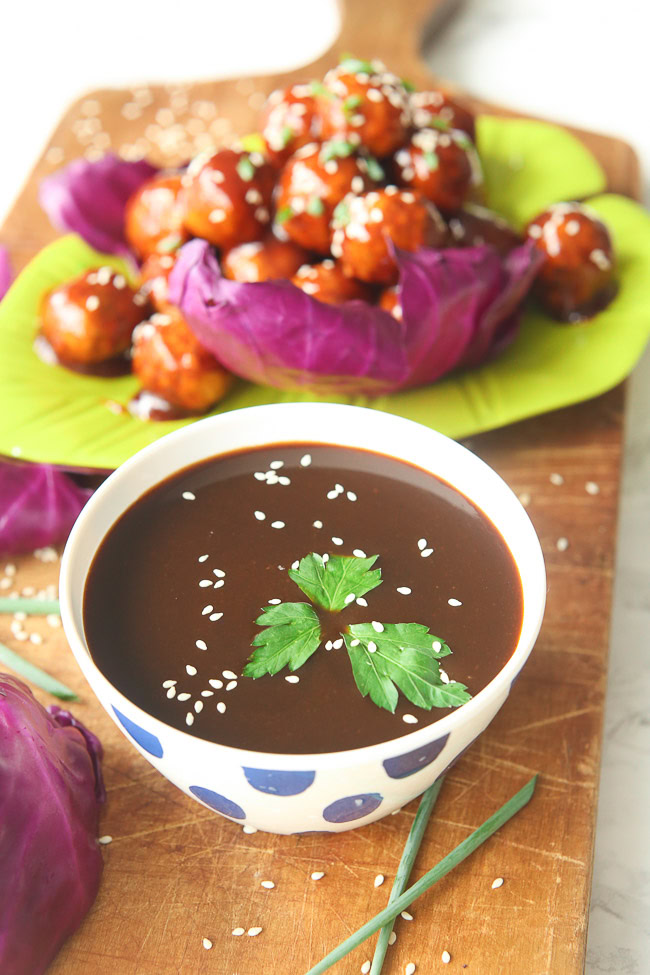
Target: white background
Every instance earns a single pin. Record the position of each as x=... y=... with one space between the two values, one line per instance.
x=581 y=61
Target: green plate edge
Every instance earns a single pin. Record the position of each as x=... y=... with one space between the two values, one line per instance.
x=51 y=415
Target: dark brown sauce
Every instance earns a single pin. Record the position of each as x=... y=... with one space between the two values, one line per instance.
x=143 y=605
x=149 y=406
x=108 y=369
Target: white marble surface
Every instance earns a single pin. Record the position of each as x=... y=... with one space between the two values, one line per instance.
x=583 y=61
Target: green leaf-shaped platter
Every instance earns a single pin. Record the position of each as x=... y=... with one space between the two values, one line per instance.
x=49 y=414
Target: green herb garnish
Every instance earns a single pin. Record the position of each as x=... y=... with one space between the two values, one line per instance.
x=291 y=636
x=315 y=206
x=330 y=583
x=384 y=657
x=283 y=214
x=34 y=674
x=436 y=122
x=375 y=171
x=245 y=169
x=355 y=65
x=341 y=215
x=408 y=85
x=31 y=607
x=457 y=855
x=286 y=135
x=431 y=160
x=169 y=244
x=351 y=103
x=336 y=149
x=320 y=90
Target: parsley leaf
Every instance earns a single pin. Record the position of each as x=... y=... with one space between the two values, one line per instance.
x=291 y=636
x=330 y=584
x=402 y=654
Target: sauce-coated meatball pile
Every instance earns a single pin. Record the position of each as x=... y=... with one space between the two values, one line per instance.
x=348 y=170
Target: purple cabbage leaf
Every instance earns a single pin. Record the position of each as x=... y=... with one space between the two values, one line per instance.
x=459 y=307
x=50 y=861
x=89 y=198
x=38 y=506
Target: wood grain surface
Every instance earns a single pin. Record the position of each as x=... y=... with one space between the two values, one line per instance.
x=175 y=872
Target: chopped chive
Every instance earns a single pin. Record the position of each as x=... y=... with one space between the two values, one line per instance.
x=411 y=848
x=375 y=171
x=37 y=676
x=32 y=607
x=431 y=160
x=315 y=206
x=350 y=103
x=286 y=135
x=436 y=122
x=408 y=85
x=457 y=855
x=341 y=214
x=283 y=214
x=318 y=88
x=335 y=148
x=355 y=65
x=169 y=244
x=245 y=169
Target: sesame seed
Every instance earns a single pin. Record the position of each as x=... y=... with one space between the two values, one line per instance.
x=326 y=557
x=188 y=496
x=437 y=645
x=331 y=495
x=221 y=707
x=361 y=601
x=454 y=602
x=497 y=883
x=318 y=524
x=259 y=475
x=295 y=565
x=406 y=916
x=253 y=932
x=556 y=479
x=284 y=480
x=336 y=540
x=305 y=460
x=10 y=569
x=562 y=544
x=249 y=829
x=274 y=602
x=379 y=879
x=572 y=228
x=292 y=679
x=410 y=969
x=393 y=937
x=203 y=558
x=219 y=573
x=218 y=684
x=218 y=584
x=184 y=696
x=260 y=515
x=207 y=944
x=409 y=719
x=351 y=496
x=92 y=303
x=201 y=645
x=238 y=931
x=169 y=683
x=350 y=599
x=365 y=968
x=372 y=646
x=317 y=875
x=592 y=488
x=191 y=670
x=267 y=884
x=207 y=693
x=228 y=674
x=215 y=616
x=231 y=685
x=337 y=644
x=277 y=524
x=189 y=719
x=377 y=627
x=404 y=590
x=105 y=840
x=328 y=645
x=446 y=957
x=198 y=706
x=359 y=552
x=524 y=498
x=35 y=638
x=217 y=216
x=422 y=543
x=426 y=553
x=275 y=465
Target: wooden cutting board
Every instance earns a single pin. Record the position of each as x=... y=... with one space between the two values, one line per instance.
x=175 y=872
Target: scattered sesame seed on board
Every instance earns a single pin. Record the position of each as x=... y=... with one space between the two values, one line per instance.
x=425 y=553
x=105 y=840
x=292 y=679
x=524 y=498
x=361 y=601
x=392 y=939
x=238 y=932
x=454 y=602
x=379 y=879
x=404 y=590
x=207 y=944
x=201 y=645
x=253 y=932
x=556 y=479
x=422 y=544
x=409 y=719
x=259 y=515
x=562 y=544
x=317 y=875
x=410 y=969
x=592 y=488
x=267 y=884
x=445 y=957
x=497 y=883
x=359 y=552
x=406 y=916
x=365 y=968
x=277 y=524
x=249 y=830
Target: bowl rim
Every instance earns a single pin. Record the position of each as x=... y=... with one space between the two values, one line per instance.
x=498 y=687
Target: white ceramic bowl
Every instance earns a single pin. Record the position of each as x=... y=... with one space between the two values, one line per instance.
x=334 y=791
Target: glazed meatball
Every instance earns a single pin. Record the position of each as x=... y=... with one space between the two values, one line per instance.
x=430 y=107
x=289 y=121
x=90 y=319
x=170 y=362
x=443 y=166
x=363 y=225
x=154 y=277
x=363 y=103
x=153 y=219
x=327 y=283
x=263 y=260
x=576 y=279
x=314 y=180
x=391 y=302
x=475 y=225
x=228 y=197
